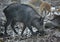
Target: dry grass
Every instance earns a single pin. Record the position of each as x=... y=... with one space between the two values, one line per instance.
x=45 y=7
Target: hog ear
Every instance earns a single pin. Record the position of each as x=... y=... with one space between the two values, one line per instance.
x=41 y=19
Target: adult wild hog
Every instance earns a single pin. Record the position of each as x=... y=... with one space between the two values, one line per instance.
x=22 y=13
